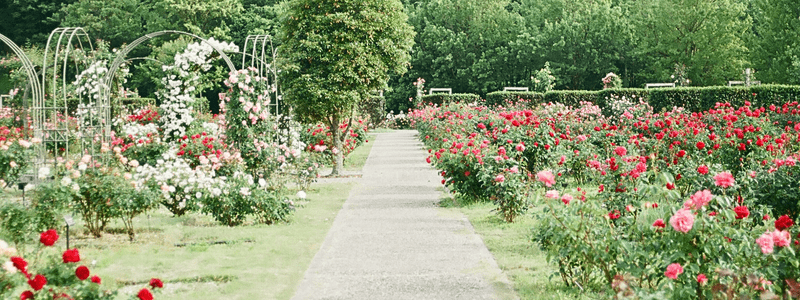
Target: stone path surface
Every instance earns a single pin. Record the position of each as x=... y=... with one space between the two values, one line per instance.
x=390 y=241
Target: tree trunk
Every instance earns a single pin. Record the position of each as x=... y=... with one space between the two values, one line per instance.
x=337 y=147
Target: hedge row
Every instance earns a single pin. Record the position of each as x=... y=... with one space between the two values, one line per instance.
x=691 y=98
x=440 y=99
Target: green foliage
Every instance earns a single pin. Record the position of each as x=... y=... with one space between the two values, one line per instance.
x=440 y=99
x=17 y=223
x=117 y=22
x=507 y=98
x=29 y=21
x=335 y=53
x=373 y=107
x=707 y=38
x=702 y=98
x=775 y=40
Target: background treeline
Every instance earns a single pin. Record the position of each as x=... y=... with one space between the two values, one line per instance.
x=481 y=46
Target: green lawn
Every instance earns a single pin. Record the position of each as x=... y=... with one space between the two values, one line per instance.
x=356 y=160
x=258 y=261
x=519 y=258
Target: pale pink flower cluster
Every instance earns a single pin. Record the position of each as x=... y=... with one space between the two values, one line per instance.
x=769 y=240
x=698 y=200
x=682 y=220
x=546 y=177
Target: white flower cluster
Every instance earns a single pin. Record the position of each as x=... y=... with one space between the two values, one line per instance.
x=136 y=131
x=90 y=82
x=177 y=180
x=88 y=115
x=177 y=101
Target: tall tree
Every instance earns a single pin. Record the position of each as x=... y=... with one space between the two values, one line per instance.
x=335 y=53
x=775 y=50
x=29 y=21
x=707 y=36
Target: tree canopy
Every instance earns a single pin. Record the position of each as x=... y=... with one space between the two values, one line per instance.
x=335 y=53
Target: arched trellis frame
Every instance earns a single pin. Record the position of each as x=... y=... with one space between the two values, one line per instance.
x=36 y=89
x=120 y=59
x=51 y=113
x=260 y=54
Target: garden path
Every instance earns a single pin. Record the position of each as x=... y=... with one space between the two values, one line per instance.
x=391 y=241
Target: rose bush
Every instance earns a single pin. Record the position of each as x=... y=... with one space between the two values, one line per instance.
x=638 y=203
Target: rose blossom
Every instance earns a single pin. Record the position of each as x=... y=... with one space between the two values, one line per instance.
x=781 y=238
x=698 y=200
x=741 y=212
x=621 y=151
x=659 y=223
x=547 y=177
x=702 y=169
x=783 y=222
x=566 y=198
x=702 y=279
x=673 y=270
x=48 y=238
x=552 y=194
x=766 y=243
x=71 y=255
x=682 y=221
x=500 y=178
x=724 y=179
x=82 y=272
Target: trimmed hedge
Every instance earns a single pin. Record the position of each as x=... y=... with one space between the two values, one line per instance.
x=439 y=99
x=691 y=98
x=503 y=98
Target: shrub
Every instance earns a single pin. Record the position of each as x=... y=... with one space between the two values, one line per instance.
x=509 y=98
x=374 y=109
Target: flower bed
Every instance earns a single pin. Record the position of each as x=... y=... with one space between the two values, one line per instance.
x=674 y=204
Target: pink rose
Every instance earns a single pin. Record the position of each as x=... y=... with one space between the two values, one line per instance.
x=766 y=243
x=781 y=238
x=682 y=221
x=702 y=169
x=552 y=194
x=621 y=151
x=566 y=198
x=702 y=279
x=698 y=200
x=724 y=179
x=673 y=270
x=546 y=177
x=500 y=178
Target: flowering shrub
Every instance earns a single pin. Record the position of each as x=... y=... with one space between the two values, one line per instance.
x=673 y=204
x=612 y=81
x=53 y=276
x=15 y=148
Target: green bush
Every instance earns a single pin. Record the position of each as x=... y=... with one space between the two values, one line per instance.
x=570 y=98
x=439 y=99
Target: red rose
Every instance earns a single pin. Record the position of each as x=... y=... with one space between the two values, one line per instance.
x=766 y=217
x=82 y=272
x=703 y=169
x=783 y=222
x=48 y=238
x=670 y=185
x=37 y=282
x=700 y=145
x=71 y=255
x=614 y=215
x=681 y=153
x=26 y=295
x=741 y=212
x=20 y=263
x=156 y=283
x=659 y=223
x=95 y=279
x=145 y=294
